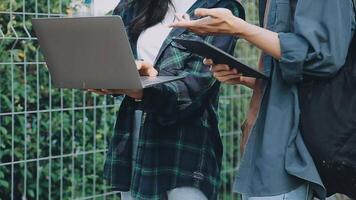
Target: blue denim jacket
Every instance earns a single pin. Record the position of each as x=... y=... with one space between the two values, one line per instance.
x=314 y=41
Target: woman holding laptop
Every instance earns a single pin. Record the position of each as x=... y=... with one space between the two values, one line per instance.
x=166 y=142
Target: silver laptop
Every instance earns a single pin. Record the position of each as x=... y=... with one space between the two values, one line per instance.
x=91 y=53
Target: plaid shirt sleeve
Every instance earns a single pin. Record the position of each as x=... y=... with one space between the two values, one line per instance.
x=177 y=100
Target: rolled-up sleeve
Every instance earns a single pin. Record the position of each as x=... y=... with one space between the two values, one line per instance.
x=319 y=44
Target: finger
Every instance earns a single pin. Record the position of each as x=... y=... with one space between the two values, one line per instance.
x=181 y=24
x=182 y=16
x=229 y=78
x=149 y=72
x=92 y=90
x=204 y=26
x=208 y=61
x=213 y=12
x=235 y=71
x=200 y=26
x=179 y=17
x=224 y=73
x=198 y=31
x=108 y=91
x=153 y=72
x=96 y=91
x=233 y=81
x=144 y=66
x=112 y=91
x=186 y=16
x=204 y=22
x=220 y=67
x=204 y=12
x=138 y=64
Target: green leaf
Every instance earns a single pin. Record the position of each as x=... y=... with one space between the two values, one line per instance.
x=4 y=184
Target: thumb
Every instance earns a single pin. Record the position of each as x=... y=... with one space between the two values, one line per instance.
x=152 y=72
x=139 y=65
x=204 y=12
x=146 y=65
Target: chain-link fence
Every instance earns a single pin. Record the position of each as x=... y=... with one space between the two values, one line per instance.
x=53 y=141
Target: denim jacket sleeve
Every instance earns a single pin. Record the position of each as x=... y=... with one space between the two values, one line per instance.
x=320 y=41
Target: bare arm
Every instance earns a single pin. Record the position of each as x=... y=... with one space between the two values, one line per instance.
x=220 y=21
x=264 y=39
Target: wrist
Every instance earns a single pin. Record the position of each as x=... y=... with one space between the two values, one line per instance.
x=249 y=82
x=251 y=86
x=241 y=27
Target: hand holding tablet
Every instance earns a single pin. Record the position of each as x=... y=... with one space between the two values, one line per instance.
x=207 y=50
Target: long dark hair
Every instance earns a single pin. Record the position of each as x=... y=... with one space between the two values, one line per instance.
x=149 y=13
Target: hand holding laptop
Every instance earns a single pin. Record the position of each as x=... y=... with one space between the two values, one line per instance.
x=145 y=69
x=77 y=45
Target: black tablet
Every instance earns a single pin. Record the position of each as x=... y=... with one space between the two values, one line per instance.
x=209 y=51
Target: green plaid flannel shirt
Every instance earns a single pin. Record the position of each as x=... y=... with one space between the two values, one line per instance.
x=179 y=142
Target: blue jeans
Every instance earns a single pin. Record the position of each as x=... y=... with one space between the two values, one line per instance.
x=301 y=193
x=182 y=193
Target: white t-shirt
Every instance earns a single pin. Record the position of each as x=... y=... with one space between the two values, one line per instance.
x=102 y=7
x=150 y=41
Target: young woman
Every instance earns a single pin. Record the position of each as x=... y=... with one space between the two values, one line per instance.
x=166 y=142
x=299 y=37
